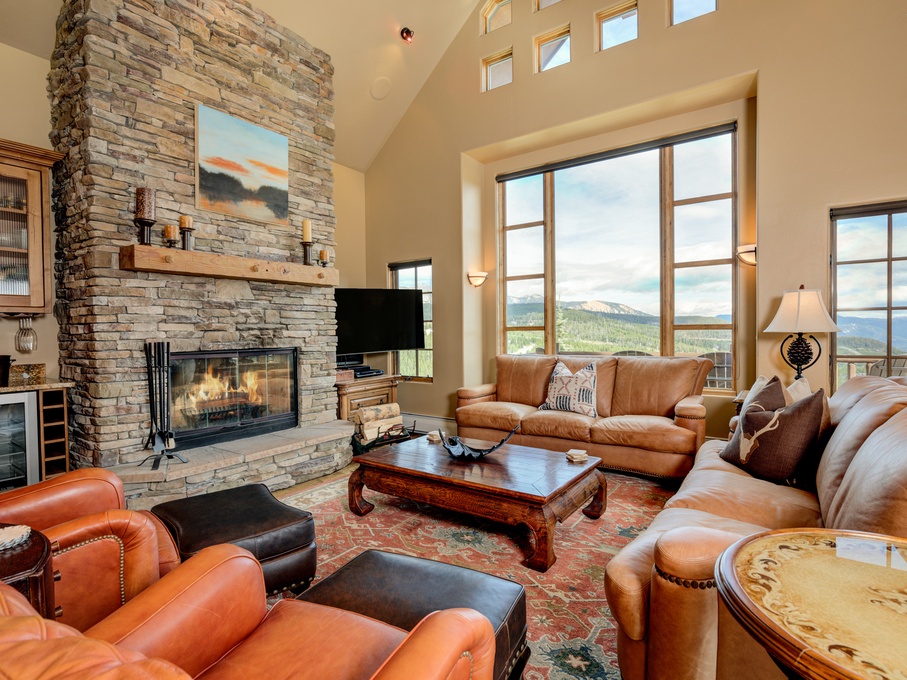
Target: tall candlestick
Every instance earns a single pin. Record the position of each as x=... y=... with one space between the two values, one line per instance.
x=307 y=231
x=144 y=203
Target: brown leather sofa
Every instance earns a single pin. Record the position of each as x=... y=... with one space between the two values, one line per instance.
x=105 y=553
x=651 y=417
x=660 y=587
x=208 y=619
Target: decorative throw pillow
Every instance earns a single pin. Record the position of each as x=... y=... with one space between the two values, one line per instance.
x=773 y=443
x=572 y=391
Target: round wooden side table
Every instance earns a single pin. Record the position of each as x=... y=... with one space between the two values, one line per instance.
x=27 y=567
x=824 y=603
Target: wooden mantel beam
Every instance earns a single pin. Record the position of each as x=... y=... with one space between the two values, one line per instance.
x=194 y=263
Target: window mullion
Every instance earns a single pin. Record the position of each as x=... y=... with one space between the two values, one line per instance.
x=550 y=301
x=666 y=162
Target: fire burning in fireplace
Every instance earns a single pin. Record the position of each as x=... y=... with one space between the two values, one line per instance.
x=232 y=393
x=214 y=394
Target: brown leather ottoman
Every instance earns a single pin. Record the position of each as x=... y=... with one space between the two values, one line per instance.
x=282 y=538
x=401 y=590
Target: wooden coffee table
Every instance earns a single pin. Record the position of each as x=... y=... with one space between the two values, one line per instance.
x=513 y=485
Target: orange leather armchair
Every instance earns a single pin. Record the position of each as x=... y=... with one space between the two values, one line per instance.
x=208 y=619
x=104 y=553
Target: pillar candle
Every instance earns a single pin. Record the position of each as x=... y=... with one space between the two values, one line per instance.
x=307 y=231
x=144 y=203
x=171 y=233
x=323 y=255
x=185 y=222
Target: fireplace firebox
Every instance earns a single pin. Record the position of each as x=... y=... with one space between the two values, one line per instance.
x=222 y=395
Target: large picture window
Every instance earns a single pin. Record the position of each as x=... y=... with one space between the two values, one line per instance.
x=416 y=364
x=869 y=292
x=625 y=252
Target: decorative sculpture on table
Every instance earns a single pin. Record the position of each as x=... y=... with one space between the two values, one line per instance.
x=456 y=448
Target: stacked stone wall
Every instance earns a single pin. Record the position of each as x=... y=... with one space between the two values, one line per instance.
x=126 y=78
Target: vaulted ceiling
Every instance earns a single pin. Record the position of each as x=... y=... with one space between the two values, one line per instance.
x=376 y=76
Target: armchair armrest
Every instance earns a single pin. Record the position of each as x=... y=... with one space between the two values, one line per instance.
x=104 y=560
x=683 y=605
x=475 y=395
x=77 y=493
x=196 y=613
x=452 y=644
x=689 y=413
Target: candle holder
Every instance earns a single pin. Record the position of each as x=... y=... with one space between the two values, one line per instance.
x=144 y=224
x=307 y=252
x=187 y=238
x=323 y=258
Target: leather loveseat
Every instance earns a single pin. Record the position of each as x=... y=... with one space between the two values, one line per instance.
x=650 y=413
x=208 y=618
x=660 y=587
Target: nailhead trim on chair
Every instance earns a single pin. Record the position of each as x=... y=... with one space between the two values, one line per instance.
x=467 y=654
x=617 y=468
x=695 y=584
x=515 y=657
x=692 y=417
x=122 y=559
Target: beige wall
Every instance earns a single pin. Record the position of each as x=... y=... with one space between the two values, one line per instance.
x=349 y=211
x=25 y=118
x=827 y=84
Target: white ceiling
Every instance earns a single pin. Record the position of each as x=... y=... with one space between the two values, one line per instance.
x=376 y=74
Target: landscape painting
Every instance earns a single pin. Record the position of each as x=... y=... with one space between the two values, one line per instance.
x=243 y=169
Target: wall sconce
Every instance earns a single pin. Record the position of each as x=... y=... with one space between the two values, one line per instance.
x=747 y=254
x=801 y=311
x=476 y=279
x=407 y=34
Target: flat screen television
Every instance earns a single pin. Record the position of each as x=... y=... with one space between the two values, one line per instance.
x=378 y=320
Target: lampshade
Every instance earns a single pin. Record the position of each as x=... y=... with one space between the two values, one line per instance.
x=802 y=311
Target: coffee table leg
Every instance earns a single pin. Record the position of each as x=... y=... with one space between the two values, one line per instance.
x=599 y=500
x=358 y=504
x=541 y=524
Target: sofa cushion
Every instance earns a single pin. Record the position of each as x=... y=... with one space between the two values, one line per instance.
x=569 y=391
x=873 y=494
x=523 y=379
x=628 y=575
x=740 y=496
x=560 y=424
x=653 y=433
x=651 y=386
x=494 y=415
x=848 y=394
x=772 y=444
x=865 y=416
x=708 y=457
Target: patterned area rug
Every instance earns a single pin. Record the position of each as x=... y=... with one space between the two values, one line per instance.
x=571 y=632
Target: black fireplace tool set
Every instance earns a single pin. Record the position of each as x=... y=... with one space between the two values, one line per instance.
x=160 y=437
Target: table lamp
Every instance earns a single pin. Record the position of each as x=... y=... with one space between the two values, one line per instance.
x=801 y=311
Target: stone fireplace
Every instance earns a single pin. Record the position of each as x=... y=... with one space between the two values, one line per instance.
x=126 y=80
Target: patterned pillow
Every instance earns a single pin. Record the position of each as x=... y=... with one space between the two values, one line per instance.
x=774 y=443
x=572 y=391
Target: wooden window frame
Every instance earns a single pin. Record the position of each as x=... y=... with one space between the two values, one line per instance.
x=490 y=8
x=393 y=272
x=888 y=209
x=488 y=62
x=669 y=267
x=546 y=38
x=613 y=13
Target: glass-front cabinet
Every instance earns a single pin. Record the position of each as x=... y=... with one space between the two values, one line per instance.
x=25 y=272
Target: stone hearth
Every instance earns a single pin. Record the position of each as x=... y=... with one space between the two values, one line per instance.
x=126 y=79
